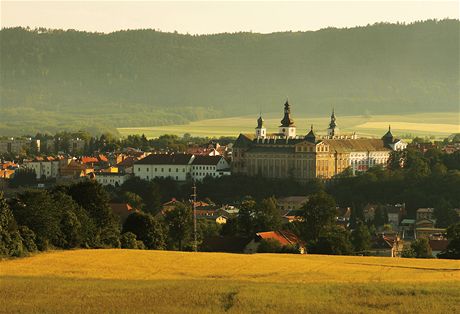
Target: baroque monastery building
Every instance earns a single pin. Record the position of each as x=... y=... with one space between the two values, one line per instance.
x=303 y=157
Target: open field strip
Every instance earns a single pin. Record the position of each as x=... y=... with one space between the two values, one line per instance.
x=180 y=282
x=422 y=124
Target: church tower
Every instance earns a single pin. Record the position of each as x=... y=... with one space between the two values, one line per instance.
x=311 y=137
x=261 y=131
x=332 y=130
x=287 y=127
x=388 y=138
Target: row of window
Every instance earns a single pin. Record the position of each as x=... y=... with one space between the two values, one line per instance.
x=204 y=167
x=202 y=174
x=161 y=169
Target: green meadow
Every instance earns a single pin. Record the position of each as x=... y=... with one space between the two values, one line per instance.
x=437 y=124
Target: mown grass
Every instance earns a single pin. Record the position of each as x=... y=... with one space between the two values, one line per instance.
x=175 y=282
x=439 y=124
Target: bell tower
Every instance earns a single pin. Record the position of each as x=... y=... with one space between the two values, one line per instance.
x=261 y=131
x=332 y=130
x=287 y=127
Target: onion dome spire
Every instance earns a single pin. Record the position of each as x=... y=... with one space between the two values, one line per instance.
x=287 y=121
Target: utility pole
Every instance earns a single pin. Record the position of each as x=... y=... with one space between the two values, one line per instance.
x=194 y=216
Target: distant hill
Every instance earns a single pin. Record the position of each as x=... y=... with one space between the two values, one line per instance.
x=54 y=79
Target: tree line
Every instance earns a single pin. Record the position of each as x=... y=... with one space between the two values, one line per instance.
x=416 y=63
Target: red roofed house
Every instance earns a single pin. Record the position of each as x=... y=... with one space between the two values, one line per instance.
x=284 y=238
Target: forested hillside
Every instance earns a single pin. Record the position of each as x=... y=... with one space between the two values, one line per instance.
x=54 y=79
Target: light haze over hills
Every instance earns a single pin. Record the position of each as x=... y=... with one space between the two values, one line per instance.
x=54 y=79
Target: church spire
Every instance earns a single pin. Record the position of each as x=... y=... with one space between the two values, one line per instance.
x=333 y=129
x=388 y=137
x=287 y=121
x=311 y=135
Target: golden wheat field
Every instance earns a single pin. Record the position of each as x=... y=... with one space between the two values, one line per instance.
x=438 y=124
x=133 y=281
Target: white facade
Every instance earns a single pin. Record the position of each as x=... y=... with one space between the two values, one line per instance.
x=148 y=172
x=195 y=167
x=199 y=172
x=114 y=179
x=46 y=169
x=261 y=132
x=398 y=145
x=362 y=161
x=288 y=131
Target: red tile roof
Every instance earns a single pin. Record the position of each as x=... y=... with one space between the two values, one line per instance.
x=283 y=237
x=86 y=159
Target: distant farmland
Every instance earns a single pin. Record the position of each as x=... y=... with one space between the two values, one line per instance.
x=180 y=282
x=439 y=124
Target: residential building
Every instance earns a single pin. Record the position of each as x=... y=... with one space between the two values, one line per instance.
x=44 y=167
x=74 y=169
x=291 y=202
x=288 y=155
x=76 y=145
x=425 y=213
x=175 y=166
x=209 y=166
x=181 y=167
x=112 y=178
x=19 y=145
x=284 y=238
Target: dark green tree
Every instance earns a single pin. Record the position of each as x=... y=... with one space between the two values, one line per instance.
x=128 y=240
x=445 y=214
x=94 y=199
x=147 y=190
x=332 y=240
x=453 y=248
x=37 y=210
x=147 y=229
x=23 y=177
x=361 y=238
x=28 y=239
x=10 y=239
x=246 y=217
x=179 y=222
x=419 y=248
x=267 y=215
x=319 y=212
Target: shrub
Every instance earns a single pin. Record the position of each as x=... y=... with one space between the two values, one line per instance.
x=28 y=239
x=128 y=241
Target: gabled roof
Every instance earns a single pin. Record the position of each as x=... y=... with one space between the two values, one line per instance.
x=243 y=140
x=88 y=159
x=206 y=160
x=283 y=237
x=127 y=162
x=165 y=159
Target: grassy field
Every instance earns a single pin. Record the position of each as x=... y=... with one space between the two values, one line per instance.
x=438 y=124
x=178 y=282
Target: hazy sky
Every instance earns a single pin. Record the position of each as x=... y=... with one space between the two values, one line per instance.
x=218 y=16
